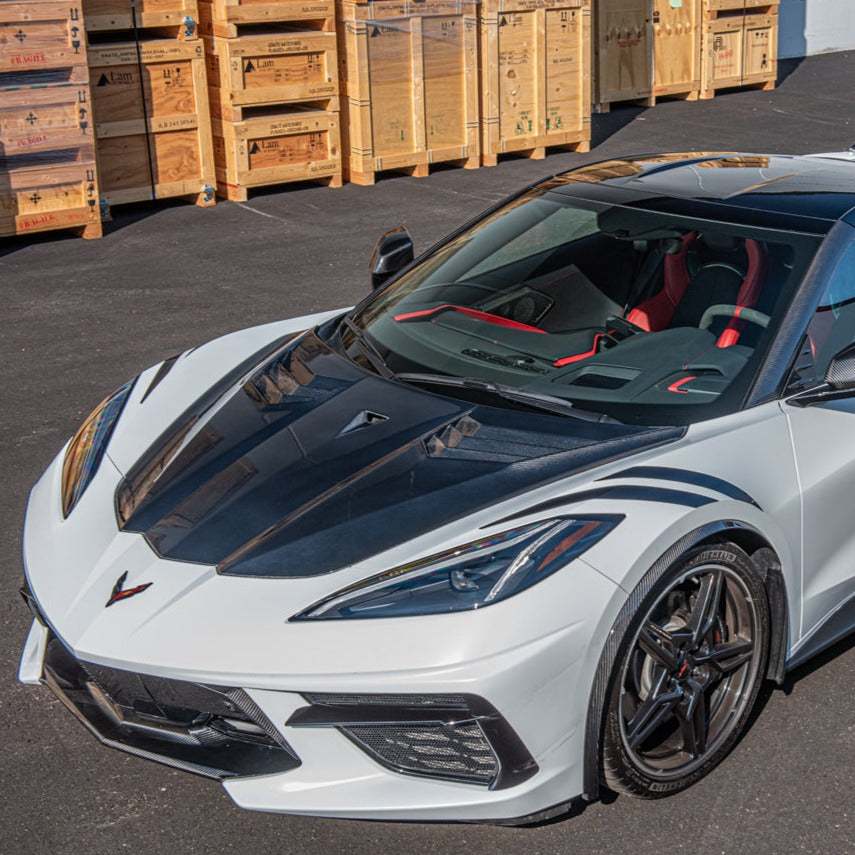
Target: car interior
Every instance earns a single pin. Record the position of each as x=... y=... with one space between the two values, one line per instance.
x=670 y=315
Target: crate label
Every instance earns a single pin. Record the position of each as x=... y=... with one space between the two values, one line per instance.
x=173 y=123
x=297 y=148
x=263 y=71
x=28 y=59
x=25 y=223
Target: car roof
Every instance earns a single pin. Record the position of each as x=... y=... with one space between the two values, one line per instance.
x=797 y=192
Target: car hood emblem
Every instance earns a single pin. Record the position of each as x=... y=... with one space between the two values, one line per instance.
x=120 y=593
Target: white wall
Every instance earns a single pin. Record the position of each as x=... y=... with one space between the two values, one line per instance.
x=816 y=26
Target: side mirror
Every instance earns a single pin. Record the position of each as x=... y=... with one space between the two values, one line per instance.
x=394 y=251
x=840 y=374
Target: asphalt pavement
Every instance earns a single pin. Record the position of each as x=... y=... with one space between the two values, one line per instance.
x=80 y=317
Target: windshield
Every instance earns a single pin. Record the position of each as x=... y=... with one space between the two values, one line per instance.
x=644 y=316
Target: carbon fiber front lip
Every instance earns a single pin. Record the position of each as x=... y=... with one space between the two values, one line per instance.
x=201 y=750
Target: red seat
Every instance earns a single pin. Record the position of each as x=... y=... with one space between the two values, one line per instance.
x=658 y=312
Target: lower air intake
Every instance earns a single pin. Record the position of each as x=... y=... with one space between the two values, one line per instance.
x=453 y=737
x=216 y=731
x=454 y=752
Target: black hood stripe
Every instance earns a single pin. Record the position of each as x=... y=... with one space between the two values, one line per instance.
x=685 y=476
x=165 y=368
x=620 y=492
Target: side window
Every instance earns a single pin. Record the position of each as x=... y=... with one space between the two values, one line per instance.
x=833 y=325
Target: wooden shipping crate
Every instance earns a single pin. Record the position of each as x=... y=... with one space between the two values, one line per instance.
x=226 y=18
x=153 y=130
x=180 y=17
x=536 y=76
x=44 y=118
x=37 y=194
x=277 y=147
x=647 y=49
x=410 y=80
x=272 y=68
x=41 y=34
x=740 y=50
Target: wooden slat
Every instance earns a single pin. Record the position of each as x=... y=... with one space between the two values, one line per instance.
x=272 y=68
x=226 y=18
x=647 y=49
x=38 y=196
x=45 y=118
x=409 y=73
x=179 y=17
x=153 y=131
x=535 y=82
x=37 y=35
x=739 y=48
x=292 y=145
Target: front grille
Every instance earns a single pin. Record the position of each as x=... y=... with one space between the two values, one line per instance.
x=455 y=737
x=216 y=731
x=453 y=752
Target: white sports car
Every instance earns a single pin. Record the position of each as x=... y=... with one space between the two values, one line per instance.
x=535 y=519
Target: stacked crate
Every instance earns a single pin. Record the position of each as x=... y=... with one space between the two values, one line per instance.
x=536 y=77
x=740 y=45
x=273 y=83
x=647 y=49
x=48 y=178
x=409 y=77
x=150 y=100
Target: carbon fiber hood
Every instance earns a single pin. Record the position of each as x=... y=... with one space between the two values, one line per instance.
x=314 y=464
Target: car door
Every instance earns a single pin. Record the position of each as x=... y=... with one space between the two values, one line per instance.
x=823 y=437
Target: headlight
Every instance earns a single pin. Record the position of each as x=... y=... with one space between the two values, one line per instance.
x=87 y=447
x=468 y=577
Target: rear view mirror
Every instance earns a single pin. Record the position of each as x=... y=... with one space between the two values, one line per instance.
x=394 y=251
x=840 y=374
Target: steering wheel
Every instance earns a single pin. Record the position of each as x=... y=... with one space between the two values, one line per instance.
x=730 y=311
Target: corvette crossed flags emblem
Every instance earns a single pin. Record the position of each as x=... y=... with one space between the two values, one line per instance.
x=120 y=593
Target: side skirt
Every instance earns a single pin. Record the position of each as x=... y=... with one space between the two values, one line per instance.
x=834 y=628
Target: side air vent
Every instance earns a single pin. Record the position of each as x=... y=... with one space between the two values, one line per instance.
x=459 y=738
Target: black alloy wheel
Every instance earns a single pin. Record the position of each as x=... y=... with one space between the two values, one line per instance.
x=687 y=676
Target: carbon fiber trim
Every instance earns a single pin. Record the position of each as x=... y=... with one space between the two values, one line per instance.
x=214 y=731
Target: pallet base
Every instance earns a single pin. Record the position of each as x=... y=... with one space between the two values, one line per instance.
x=240 y=193
x=650 y=100
x=63 y=221
x=365 y=178
x=537 y=152
x=767 y=86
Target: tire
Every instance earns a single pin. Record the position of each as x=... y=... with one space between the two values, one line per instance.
x=687 y=673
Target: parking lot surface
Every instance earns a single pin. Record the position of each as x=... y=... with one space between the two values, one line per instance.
x=80 y=317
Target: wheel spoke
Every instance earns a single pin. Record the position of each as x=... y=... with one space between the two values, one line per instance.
x=703 y=614
x=657 y=708
x=693 y=720
x=729 y=656
x=658 y=644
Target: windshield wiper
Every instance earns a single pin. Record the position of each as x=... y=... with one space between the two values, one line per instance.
x=368 y=350
x=537 y=400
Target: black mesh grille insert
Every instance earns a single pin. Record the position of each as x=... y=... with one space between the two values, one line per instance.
x=455 y=737
x=216 y=731
x=453 y=752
